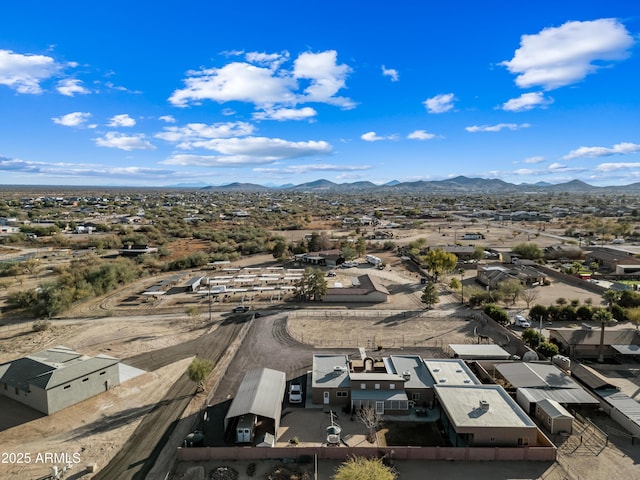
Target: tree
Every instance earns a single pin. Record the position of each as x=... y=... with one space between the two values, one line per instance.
x=430 y=295
x=361 y=246
x=633 y=314
x=538 y=312
x=548 y=349
x=198 y=371
x=454 y=283
x=370 y=419
x=510 y=290
x=605 y=318
x=530 y=251
x=360 y=468
x=439 y=262
x=531 y=337
x=312 y=285
x=280 y=249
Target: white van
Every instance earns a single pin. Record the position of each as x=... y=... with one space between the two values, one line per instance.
x=521 y=321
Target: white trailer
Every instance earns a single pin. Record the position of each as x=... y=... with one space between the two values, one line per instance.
x=373 y=260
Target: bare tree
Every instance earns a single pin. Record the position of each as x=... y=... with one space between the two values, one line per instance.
x=530 y=295
x=370 y=419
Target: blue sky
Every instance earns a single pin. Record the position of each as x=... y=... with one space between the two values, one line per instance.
x=163 y=93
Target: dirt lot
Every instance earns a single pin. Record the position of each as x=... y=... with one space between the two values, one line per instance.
x=123 y=324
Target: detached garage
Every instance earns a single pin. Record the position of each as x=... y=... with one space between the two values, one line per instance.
x=554 y=417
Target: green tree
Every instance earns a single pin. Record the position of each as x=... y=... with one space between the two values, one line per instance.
x=361 y=246
x=312 y=285
x=454 y=283
x=361 y=468
x=531 y=337
x=280 y=249
x=530 y=251
x=538 y=312
x=548 y=349
x=198 y=371
x=633 y=314
x=510 y=290
x=439 y=262
x=430 y=295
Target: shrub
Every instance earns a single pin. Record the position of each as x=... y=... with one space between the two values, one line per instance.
x=41 y=325
x=496 y=313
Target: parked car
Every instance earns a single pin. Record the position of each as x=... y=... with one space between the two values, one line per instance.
x=241 y=309
x=331 y=274
x=295 y=392
x=521 y=321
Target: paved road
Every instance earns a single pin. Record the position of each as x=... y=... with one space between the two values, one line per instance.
x=139 y=453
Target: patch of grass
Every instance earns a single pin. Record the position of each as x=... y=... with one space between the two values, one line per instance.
x=414 y=434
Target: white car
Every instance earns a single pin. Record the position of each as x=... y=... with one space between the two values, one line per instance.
x=295 y=393
x=521 y=321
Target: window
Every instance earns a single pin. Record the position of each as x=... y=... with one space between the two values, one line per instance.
x=363 y=386
x=415 y=396
x=392 y=386
x=377 y=386
x=341 y=393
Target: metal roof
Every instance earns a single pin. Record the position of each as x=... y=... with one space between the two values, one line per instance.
x=567 y=396
x=553 y=409
x=53 y=367
x=623 y=403
x=574 y=336
x=590 y=377
x=261 y=392
x=380 y=395
x=627 y=349
x=544 y=375
x=482 y=351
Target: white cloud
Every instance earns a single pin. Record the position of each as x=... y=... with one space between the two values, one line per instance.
x=124 y=142
x=527 y=101
x=496 y=128
x=557 y=166
x=525 y=171
x=326 y=76
x=268 y=86
x=272 y=60
x=69 y=87
x=373 y=137
x=533 y=160
x=392 y=73
x=440 y=103
x=315 y=167
x=122 y=120
x=196 y=132
x=282 y=114
x=167 y=118
x=75 y=119
x=624 y=148
x=420 y=135
x=250 y=150
x=23 y=73
x=563 y=55
x=610 y=167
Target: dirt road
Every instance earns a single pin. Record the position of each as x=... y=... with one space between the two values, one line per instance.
x=138 y=455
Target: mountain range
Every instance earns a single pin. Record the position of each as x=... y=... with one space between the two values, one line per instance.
x=460 y=184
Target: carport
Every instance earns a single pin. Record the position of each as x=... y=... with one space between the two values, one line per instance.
x=260 y=393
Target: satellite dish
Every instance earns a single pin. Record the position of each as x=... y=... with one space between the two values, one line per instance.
x=530 y=357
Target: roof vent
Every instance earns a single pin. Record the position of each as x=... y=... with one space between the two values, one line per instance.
x=406 y=375
x=338 y=369
x=443 y=380
x=484 y=405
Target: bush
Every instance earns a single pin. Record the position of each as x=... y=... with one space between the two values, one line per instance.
x=41 y=325
x=496 y=313
x=548 y=349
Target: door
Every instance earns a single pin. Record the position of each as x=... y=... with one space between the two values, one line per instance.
x=380 y=408
x=325 y=398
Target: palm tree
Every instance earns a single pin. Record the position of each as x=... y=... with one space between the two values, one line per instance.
x=605 y=318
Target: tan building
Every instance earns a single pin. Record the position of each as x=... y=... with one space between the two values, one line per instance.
x=484 y=415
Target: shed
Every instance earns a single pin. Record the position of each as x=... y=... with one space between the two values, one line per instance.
x=260 y=394
x=554 y=417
